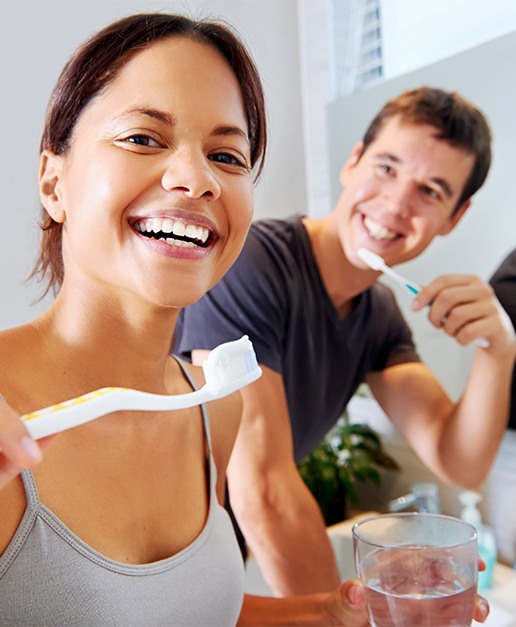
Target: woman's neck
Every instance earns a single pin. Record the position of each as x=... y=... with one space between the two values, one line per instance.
x=107 y=340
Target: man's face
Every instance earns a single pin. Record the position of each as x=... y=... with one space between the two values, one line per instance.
x=401 y=192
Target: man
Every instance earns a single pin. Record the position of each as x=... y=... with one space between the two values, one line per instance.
x=321 y=324
x=503 y=283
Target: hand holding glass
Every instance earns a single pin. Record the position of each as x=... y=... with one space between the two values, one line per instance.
x=417 y=569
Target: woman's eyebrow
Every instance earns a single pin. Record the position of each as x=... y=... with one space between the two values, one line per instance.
x=230 y=130
x=156 y=114
x=170 y=120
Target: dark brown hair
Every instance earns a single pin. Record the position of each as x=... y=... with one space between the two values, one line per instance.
x=456 y=121
x=97 y=62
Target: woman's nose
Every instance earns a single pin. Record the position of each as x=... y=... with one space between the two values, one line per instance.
x=191 y=174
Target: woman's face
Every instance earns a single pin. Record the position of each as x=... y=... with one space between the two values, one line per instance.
x=155 y=194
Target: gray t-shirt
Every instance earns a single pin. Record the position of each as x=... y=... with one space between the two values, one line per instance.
x=274 y=293
x=503 y=282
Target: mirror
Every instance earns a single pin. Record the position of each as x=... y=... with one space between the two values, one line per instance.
x=488 y=231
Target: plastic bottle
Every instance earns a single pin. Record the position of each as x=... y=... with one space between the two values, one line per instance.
x=486 y=540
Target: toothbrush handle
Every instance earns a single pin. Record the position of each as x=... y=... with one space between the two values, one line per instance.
x=78 y=411
x=409 y=286
x=82 y=409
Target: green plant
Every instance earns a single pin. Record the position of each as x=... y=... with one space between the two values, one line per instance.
x=350 y=452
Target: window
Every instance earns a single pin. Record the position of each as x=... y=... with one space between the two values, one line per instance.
x=350 y=45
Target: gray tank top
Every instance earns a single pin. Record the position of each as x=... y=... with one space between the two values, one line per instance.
x=48 y=576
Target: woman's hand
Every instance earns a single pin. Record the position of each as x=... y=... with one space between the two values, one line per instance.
x=17 y=449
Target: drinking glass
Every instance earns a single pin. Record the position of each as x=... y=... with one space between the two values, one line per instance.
x=417 y=569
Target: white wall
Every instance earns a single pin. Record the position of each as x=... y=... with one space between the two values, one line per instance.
x=483 y=74
x=416 y=34
x=37 y=39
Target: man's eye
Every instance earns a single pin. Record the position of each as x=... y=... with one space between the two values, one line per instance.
x=385 y=169
x=430 y=192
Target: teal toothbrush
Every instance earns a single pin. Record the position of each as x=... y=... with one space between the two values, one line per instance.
x=375 y=262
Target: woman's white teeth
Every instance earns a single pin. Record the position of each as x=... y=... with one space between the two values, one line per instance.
x=177 y=242
x=377 y=230
x=180 y=229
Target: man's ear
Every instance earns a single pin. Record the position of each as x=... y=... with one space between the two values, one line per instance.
x=351 y=162
x=454 y=219
x=50 y=168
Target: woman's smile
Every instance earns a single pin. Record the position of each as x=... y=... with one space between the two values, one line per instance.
x=186 y=237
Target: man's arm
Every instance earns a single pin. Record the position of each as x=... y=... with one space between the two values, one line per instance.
x=277 y=513
x=458 y=442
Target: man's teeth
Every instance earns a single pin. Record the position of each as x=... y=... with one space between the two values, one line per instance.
x=180 y=229
x=377 y=230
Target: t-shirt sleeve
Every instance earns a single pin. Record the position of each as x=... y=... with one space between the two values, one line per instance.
x=396 y=342
x=503 y=282
x=249 y=300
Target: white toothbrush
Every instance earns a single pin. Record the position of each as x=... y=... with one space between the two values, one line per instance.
x=376 y=262
x=228 y=367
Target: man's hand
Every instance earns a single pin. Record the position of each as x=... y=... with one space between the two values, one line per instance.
x=466 y=309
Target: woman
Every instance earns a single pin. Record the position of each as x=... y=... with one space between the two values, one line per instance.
x=152 y=134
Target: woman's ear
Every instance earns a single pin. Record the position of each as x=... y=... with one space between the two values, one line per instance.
x=50 y=169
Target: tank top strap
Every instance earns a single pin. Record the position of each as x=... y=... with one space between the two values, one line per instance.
x=26 y=524
x=31 y=491
x=205 y=419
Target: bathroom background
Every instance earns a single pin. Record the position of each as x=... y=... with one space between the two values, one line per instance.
x=327 y=66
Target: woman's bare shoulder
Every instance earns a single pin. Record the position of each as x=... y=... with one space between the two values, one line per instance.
x=15 y=346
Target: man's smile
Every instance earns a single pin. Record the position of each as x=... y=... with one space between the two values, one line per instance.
x=378 y=231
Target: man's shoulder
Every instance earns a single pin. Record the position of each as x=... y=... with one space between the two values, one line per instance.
x=277 y=230
x=273 y=246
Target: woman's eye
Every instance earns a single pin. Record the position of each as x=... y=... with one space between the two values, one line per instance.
x=141 y=140
x=227 y=159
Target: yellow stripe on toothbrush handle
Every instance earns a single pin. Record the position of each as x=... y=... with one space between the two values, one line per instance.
x=71 y=403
